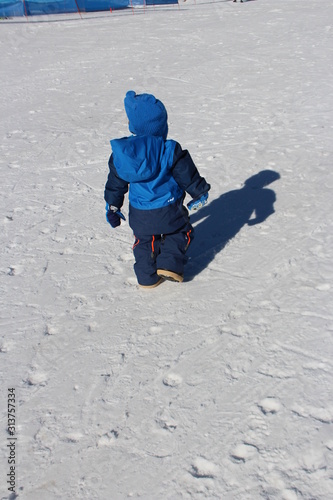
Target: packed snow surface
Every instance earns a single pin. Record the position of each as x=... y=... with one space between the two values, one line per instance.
x=216 y=388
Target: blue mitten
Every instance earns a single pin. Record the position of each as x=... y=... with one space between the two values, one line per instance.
x=198 y=203
x=114 y=216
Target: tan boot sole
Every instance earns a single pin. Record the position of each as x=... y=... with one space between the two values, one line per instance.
x=152 y=286
x=170 y=275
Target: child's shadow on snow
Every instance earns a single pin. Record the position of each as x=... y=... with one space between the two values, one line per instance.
x=224 y=217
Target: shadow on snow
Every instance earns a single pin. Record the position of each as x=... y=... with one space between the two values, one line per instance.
x=219 y=221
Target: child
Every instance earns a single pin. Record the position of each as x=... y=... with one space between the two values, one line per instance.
x=157 y=173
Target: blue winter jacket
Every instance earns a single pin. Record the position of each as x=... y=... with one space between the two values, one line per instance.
x=157 y=173
x=145 y=163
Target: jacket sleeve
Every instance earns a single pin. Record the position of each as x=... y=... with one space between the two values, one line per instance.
x=186 y=174
x=115 y=187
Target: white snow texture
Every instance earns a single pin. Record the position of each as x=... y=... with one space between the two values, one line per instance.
x=216 y=388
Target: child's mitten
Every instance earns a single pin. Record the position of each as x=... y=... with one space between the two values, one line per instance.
x=114 y=216
x=198 y=203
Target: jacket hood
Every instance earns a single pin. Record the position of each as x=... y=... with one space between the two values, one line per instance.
x=146 y=115
x=137 y=158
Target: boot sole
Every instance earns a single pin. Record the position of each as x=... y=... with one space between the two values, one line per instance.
x=152 y=286
x=170 y=275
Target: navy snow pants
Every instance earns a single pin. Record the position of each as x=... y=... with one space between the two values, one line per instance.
x=160 y=251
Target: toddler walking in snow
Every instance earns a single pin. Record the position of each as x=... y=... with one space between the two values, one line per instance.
x=157 y=172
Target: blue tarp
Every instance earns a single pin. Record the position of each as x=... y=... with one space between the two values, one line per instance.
x=36 y=7
x=10 y=8
x=161 y=2
x=95 y=5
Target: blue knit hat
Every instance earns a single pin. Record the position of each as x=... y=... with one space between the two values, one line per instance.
x=146 y=114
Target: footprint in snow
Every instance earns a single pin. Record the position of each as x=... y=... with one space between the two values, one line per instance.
x=314 y=460
x=50 y=330
x=155 y=329
x=288 y=494
x=131 y=280
x=108 y=438
x=329 y=445
x=128 y=257
x=165 y=421
x=244 y=452
x=323 y=287
x=4 y=347
x=73 y=437
x=46 y=438
x=203 y=469
x=15 y=270
x=37 y=378
x=269 y=405
x=324 y=415
x=172 y=380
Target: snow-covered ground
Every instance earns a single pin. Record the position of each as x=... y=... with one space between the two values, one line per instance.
x=217 y=388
